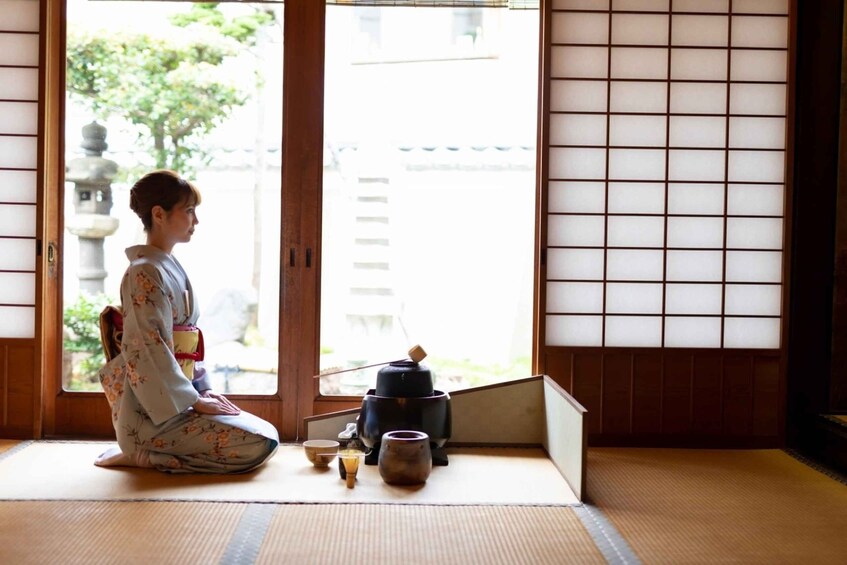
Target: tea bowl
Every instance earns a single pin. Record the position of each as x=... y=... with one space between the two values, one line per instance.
x=320 y=452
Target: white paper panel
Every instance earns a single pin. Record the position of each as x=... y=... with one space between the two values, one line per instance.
x=575 y=264
x=695 y=232
x=636 y=231
x=718 y=6
x=760 y=6
x=578 y=95
x=693 y=298
x=698 y=98
x=579 y=62
x=579 y=231
x=19 y=49
x=639 y=29
x=17 y=288
x=19 y=118
x=17 y=220
x=636 y=164
x=700 y=31
x=636 y=198
x=759 y=65
x=694 y=165
x=647 y=131
x=692 y=332
x=639 y=63
x=633 y=298
x=18 y=152
x=754 y=233
x=696 y=266
x=757 y=166
x=580 y=4
x=640 y=5
x=580 y=28
x=753 y=266
x=633 y=331
x=751 y=332
x=577 y=129
x=580 y=197
x=17 y=186
x=569 y=297
x=17 y=322
x=638 y=97
x=695 y=131
x=754 y=299
x=634 y=265
x=757 y=99
x=574 y=163
x=18 y=84
x=695 y=198
x=19 y=15
x=759 y=31
x=17 y=254
x=757 y=133
x=574 y=330
x=756 y=200
x=698 y=64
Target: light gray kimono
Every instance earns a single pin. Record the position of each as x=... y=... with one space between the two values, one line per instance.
x=148 y=392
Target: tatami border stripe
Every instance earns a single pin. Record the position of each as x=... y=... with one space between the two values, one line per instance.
x=819 y=467
x=605 y=536
x=12 y=450
x=243 y=548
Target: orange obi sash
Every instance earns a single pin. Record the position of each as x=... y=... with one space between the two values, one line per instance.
x=188 y=340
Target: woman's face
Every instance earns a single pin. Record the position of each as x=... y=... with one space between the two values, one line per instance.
x=180 y=221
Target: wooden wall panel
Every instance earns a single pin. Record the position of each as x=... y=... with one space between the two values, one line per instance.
x=646 y=394
x=617 y=393
x=676 y=394
x=676 y=397
x=766 y=396
x=707 y=395
x=588 y=387
x=560 y=370
x=17 y=390
x=738 y=395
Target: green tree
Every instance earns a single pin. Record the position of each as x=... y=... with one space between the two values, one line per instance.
x=82 y=327
x=171 y=84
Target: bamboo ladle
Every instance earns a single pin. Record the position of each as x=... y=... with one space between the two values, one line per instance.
x=416 y=354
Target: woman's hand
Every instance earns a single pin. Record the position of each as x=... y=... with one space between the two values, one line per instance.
x=213 y=403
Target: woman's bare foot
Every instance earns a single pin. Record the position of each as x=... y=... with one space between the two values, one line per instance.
x=114 y=457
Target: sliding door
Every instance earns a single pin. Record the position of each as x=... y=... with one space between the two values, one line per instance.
x=665 y=183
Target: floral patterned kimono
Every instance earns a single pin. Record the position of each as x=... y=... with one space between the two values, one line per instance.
x=150 y=396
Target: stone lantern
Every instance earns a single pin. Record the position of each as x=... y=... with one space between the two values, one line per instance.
x=92 y=177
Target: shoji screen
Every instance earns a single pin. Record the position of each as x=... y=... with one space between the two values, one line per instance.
x=667 y=129
x=19 y=39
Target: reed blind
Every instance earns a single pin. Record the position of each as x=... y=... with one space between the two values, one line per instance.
x=19 y=41
x=666 y=168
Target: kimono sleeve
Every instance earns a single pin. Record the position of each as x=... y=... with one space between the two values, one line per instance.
x=153 y=373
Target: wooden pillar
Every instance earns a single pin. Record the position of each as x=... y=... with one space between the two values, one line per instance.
x=302 y=180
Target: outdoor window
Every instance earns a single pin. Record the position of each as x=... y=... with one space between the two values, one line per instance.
x=191 y=87
x=429 y=194
x=666 y=191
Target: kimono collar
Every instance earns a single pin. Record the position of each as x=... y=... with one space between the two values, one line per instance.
x=139 y=251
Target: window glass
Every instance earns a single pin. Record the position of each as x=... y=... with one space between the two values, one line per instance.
x=429 y=193
x=191 y=87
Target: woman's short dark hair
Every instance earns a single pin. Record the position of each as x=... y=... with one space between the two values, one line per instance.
x=160 y=188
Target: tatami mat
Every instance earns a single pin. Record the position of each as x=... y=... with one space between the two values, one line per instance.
x=82 y=532
x=7 y=444
x=64 y=470
x=370 y=534
x=720 y=506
